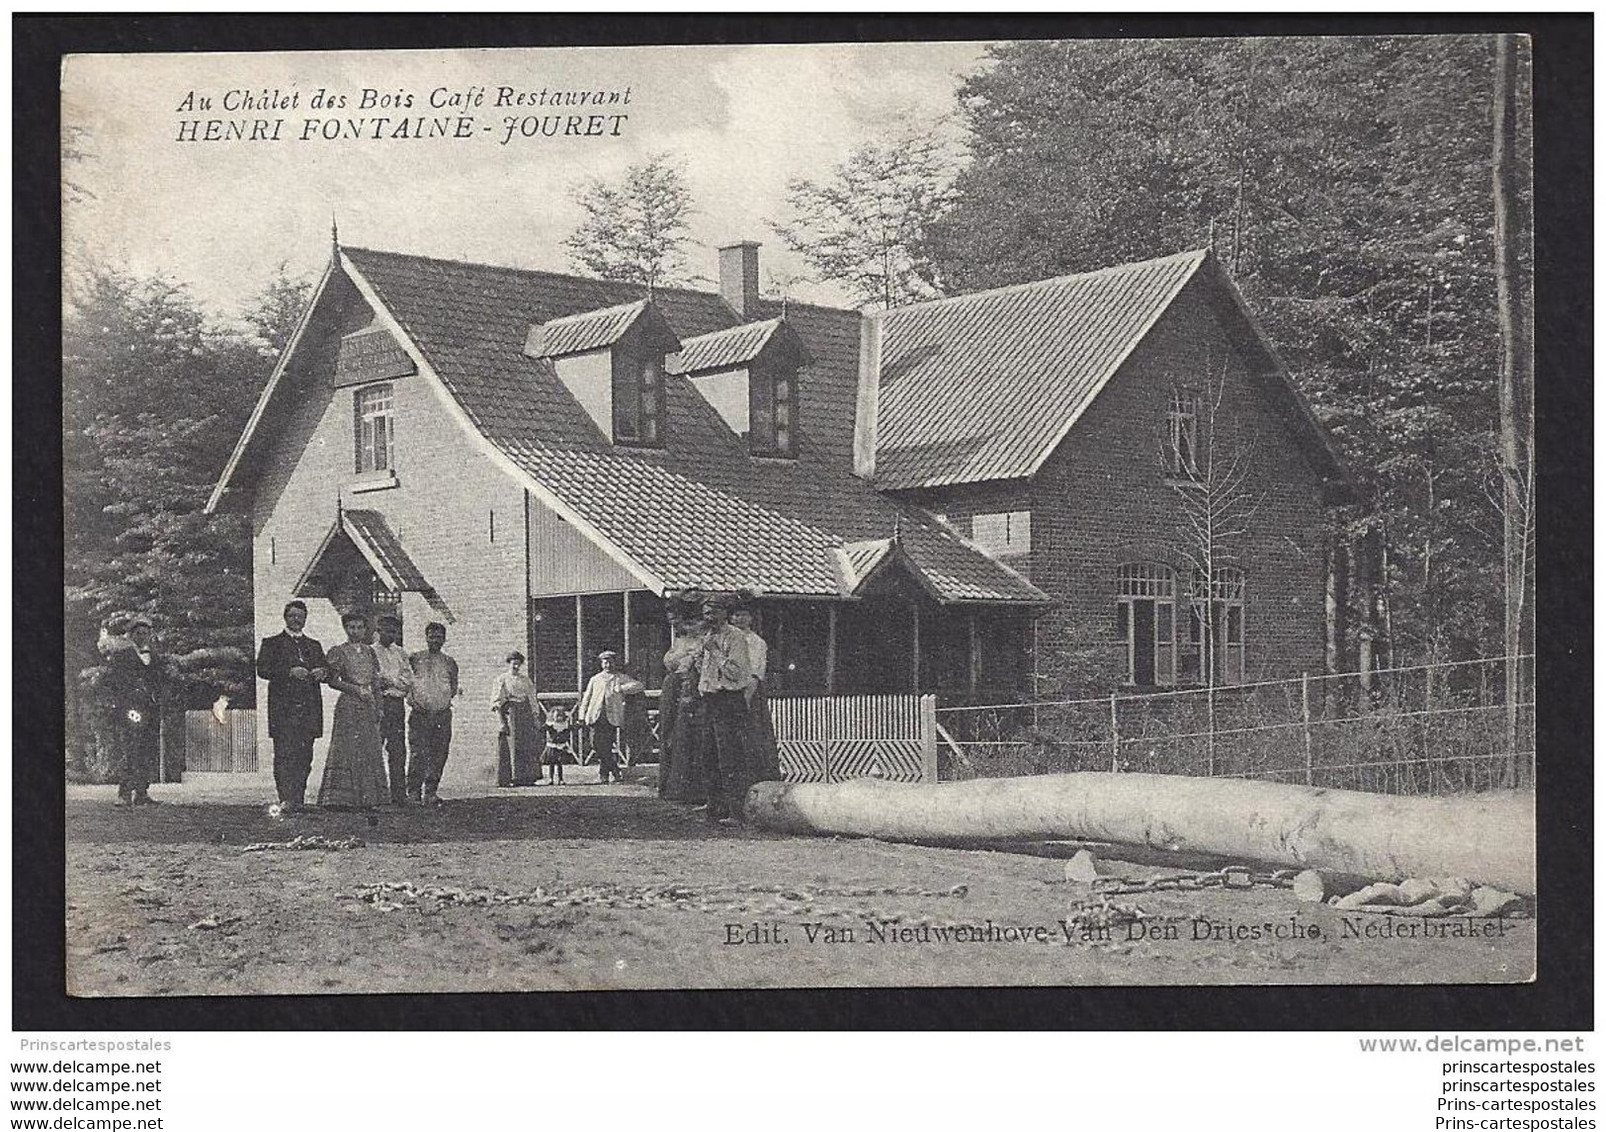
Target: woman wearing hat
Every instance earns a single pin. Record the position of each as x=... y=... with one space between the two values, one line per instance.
x=518 y=745
x=680 y=711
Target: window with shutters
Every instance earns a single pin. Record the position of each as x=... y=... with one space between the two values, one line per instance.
x=374 y=416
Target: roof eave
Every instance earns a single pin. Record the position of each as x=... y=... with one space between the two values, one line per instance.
x=221 y=489
x=1335 y=473
x=498 y=456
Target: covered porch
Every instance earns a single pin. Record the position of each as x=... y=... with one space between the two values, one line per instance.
x=880 y=644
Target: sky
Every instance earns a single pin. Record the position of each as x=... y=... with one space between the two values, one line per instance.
x=220 y=216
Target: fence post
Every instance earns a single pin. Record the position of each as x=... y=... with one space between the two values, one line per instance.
x=1304 y=710
x=1115 y=737
x=928 y=738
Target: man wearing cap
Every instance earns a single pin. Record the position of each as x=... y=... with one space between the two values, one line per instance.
x=726 y=672
x=395 y=682
x=602 y=710
x=293 y=665
x=135 y=676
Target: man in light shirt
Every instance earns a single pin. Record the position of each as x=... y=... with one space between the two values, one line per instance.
x=429 y=726
x=395 y=682
x=602 y=710
x=726 y=676
x=764 y=755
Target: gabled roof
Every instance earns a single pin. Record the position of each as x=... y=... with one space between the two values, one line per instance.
x=699 y=513
x=738 y=346
x=984 y=386
x=594 y=330
x=860 y=559
x=365 y=534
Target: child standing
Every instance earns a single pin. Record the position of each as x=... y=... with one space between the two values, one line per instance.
x=559 y=743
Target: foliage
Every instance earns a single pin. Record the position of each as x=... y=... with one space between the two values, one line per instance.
x=864 y=225
x=635 y=230
x=154 y=397
x=1346 y=183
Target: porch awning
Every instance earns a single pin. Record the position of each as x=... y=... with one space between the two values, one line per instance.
x=363 y=537
x=862 y=567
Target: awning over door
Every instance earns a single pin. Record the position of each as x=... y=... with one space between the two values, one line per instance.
x=363 y=541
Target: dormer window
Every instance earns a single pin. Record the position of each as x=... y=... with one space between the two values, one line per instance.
x=749 y=376
x=638 y=399
x=612 y=361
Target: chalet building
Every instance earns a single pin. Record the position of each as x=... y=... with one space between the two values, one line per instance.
x=978 y=496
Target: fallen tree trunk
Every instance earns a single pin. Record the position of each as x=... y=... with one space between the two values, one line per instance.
x=1486 y=838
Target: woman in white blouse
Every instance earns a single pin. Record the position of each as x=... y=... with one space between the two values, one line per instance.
x=518 y=746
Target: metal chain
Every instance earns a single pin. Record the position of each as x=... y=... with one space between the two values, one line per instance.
x=1232 y=876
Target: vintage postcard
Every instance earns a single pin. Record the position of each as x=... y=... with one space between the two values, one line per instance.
x=834 y=515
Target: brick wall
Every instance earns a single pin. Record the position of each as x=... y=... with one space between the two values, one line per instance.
x=441 y=510
x=1102 y=499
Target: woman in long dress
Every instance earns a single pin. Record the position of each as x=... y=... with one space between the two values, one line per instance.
x=682 y=723
x=354 y=772
x=518 y=745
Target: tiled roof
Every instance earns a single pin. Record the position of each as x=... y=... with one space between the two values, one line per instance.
x=862 y=557
x=591 y=330
x=365 y=534
x=981 y=387
x=369 y=530
x=699 y=513
x=727 y=349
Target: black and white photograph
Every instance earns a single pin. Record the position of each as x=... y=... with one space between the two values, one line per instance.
x=983 y=513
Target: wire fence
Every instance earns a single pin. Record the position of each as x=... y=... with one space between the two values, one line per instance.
x=1447 y=728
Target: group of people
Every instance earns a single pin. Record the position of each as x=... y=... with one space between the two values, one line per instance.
x=714 y=719
x=610 y=698
x=391 y=704
x=391 y=730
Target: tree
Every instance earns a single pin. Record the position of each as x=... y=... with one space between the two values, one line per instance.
x=1207 y=461
x=864 y=225
x=635 y=230
x=1516 y=386
x=154 y=397
x=276 y=310
x=1345 y=180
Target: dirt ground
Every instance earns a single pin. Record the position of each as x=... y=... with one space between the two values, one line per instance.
x=588 y=887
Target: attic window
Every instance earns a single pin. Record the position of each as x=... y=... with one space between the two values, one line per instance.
x=773 y=413
x=375 y=418
x=1182 y=435
x=638 y=399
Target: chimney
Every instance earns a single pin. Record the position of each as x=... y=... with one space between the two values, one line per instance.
x=738 y=277
x=869 y=399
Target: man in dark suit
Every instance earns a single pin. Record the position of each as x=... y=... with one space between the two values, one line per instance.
x=293 y=665
x=135 y=676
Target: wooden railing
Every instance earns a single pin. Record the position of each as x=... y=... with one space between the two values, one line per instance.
x=832 y=738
